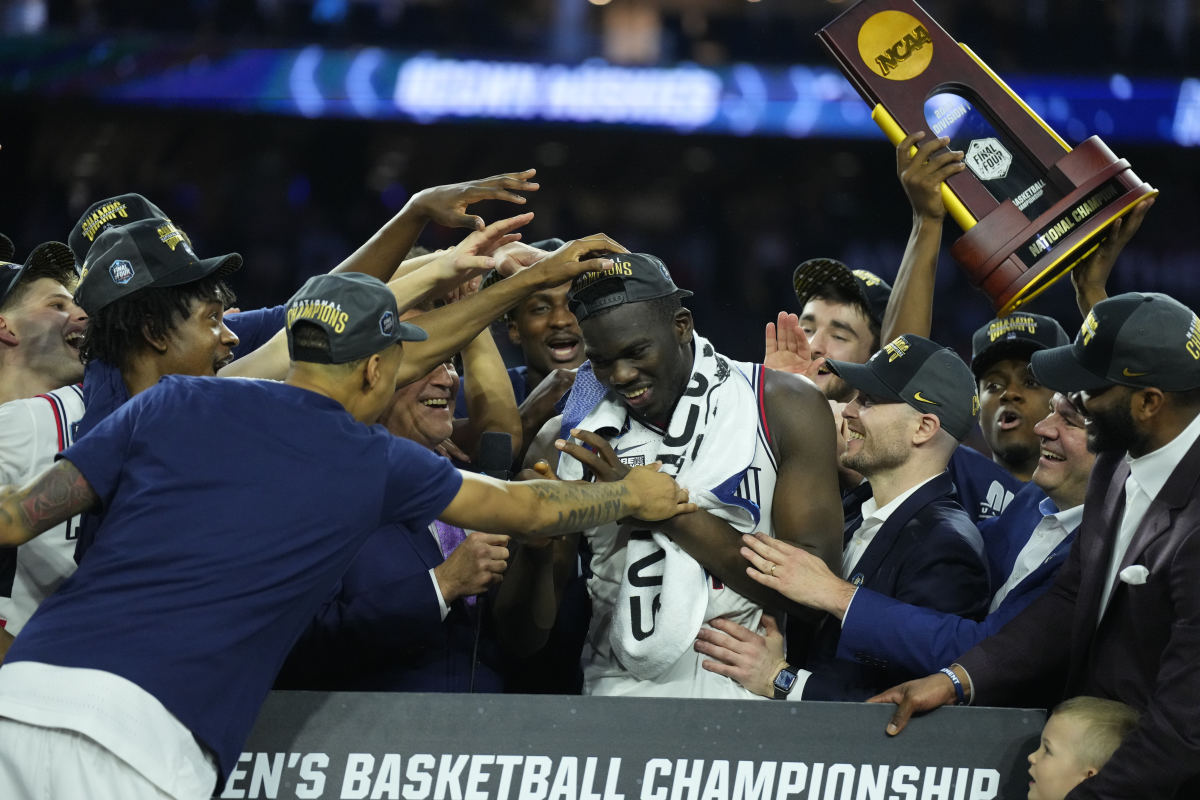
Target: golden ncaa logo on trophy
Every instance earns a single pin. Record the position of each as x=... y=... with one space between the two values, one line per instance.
x=1030 y=206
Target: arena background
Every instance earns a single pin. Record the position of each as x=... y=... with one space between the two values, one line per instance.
x=98 y=98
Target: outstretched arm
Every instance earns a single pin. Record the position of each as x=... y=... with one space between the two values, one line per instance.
x=542 y=508
x=922 y=172
x=806 y=505
x=445 y=205
x=53 y=497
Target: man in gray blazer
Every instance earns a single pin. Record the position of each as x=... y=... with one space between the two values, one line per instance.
x=1123 y=619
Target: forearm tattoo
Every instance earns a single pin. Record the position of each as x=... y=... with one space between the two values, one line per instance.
x=578 y=505
x=58 y=495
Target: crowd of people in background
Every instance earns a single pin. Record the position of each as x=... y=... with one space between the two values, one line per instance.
x=351 y=491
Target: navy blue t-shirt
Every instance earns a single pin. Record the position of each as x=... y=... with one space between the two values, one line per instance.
x=104 y=389
x=230 y=509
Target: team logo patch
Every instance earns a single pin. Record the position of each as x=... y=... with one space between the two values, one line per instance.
x=1090 y=326
x=387 y=323
x=858 y=579
x=869 y=278
x=121 y=272
x=896 y=348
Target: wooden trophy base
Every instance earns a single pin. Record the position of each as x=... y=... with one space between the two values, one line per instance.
x=1013 y=259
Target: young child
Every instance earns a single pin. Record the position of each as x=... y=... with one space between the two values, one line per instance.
x=1078 y=739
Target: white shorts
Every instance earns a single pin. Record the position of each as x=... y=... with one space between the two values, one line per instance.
x=54 y=764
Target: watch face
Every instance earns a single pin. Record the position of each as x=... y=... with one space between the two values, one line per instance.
x=784 y=680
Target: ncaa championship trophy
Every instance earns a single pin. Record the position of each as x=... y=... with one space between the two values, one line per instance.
x=1030 y=206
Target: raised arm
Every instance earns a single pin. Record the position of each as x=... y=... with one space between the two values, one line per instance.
x=53 y=497
x=921 y=172
x=1090 y=276
x=445 y=205
x=452 y=326
x=491 y=403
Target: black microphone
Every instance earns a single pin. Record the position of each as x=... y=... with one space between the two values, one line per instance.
x=494 y=457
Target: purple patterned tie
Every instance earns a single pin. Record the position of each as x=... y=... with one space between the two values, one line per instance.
x=450 y=537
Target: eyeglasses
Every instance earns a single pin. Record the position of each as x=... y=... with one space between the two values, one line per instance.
x=1082 y=398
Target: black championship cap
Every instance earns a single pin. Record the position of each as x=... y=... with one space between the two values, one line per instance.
x=149 y=252
x=357 y=312
x=815 y=273
x=1132 y=339
x=632 y=278
x=111 y=213
x=48 y=260
x=914 y=370
x=1015 y=336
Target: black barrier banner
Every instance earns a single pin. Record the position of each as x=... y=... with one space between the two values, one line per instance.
x=525 y=747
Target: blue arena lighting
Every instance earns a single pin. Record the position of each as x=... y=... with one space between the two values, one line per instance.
x=798 y=101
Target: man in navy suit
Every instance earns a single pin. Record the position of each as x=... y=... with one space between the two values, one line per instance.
x=1122 y=620
x=1025 y=546
x=915 y=402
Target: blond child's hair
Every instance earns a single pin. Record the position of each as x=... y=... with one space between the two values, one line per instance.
x=1107 y=721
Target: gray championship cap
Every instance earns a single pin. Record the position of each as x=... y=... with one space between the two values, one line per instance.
x=1133 y=339
x=146 y=253
x=112 y=212
x=357 y=312
x=914 y=370
x=633 y=278
x=1015 y=336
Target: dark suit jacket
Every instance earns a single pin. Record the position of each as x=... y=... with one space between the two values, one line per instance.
x=382 y=629
x=921 y=640
x=927 y=553
x=1146 y=649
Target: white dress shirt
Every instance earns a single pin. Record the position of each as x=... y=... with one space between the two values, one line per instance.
x=1049 y=534
x=873 y=519
x=1147 y=476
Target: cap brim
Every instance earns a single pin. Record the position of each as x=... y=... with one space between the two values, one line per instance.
x=407 y=332
x=1058 y=369
x=811 y=274
x=53 y=255
x=7 y=248
x=1016 y=348
x=215 y=267
x=862 y=378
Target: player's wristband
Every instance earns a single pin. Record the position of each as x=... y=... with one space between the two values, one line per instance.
x=961 y=698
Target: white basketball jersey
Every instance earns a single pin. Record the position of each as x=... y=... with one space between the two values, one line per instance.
x=32 y=432
x=602 y=672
